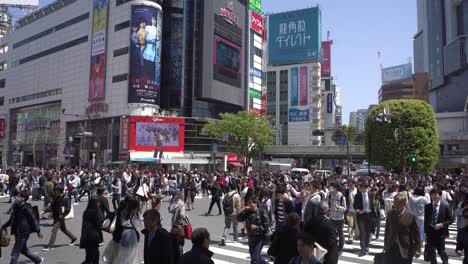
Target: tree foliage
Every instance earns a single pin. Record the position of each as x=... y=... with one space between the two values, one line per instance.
x=244 y=133
x=355 y=138
x=384 y=140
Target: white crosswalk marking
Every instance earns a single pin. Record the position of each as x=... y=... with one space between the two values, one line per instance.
x=238 y=252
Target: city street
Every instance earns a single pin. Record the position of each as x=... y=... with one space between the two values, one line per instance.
x=231 y=253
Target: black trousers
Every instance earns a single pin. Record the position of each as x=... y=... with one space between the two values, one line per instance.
x=394 y=256
x=92 y=255
x=218 y=203
x=339 y=230
x=434 y=244
x=365 y=224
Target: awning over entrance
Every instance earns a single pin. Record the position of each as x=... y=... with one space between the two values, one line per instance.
x=168 y=158
x=235 y=164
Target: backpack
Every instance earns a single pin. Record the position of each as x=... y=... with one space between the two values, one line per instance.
x=228 y=204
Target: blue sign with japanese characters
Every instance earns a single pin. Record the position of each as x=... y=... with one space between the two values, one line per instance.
x=295 y=36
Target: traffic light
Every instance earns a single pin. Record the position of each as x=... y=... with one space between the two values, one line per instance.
x=413 y=158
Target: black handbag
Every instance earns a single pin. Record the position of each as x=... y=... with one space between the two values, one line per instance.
x=380 y=258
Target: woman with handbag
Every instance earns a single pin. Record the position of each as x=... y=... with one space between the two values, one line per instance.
x=123 y=248
x=91 y=233
x=178 y=221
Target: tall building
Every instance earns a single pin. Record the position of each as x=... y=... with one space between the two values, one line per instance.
x=440 y=48
x=361 y=119
x=293 y=75
x=398 y=82
x=352 y=119
x=100 y=81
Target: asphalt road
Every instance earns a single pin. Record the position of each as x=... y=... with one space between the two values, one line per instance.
x=231 y=253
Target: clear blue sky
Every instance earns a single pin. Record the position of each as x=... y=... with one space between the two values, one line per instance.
x=359 y=30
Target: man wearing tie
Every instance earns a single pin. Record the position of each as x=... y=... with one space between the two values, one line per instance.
x=437 y=219
x=364 y=207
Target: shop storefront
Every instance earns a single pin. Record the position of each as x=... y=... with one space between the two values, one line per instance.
x=34 y=135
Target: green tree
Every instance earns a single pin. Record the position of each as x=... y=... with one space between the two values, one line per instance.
x=355 y=138
x=384 y=140
x=244 y=133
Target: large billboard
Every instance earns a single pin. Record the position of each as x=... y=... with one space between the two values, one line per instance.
x=150 y=133
x=397 y=73
x=294 y=36
x=145 y=55
x=227 y=59
x=298 y=94
x=255 y=5
x=98 y=50
x=326 y=59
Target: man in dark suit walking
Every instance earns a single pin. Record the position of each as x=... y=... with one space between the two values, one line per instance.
x=364 y=205
x=437 y=219
x=402 y=240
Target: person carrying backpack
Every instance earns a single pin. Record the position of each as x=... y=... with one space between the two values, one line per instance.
x=231 y=208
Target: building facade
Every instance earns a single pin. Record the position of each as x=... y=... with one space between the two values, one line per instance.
x=74 y=71
x=440 y=48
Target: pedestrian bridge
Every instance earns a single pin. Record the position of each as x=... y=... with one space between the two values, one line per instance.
x=315 y=152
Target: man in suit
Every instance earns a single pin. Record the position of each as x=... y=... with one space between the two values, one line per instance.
x=437 y=219
x=402 y=240
x=364 y=205
x=323 y=230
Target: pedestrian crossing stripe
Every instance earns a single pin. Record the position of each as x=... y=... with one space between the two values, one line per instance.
x=238 y=252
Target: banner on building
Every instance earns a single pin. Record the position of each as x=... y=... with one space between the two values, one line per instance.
x=298 y=94
x=98 y=50
x=326 y=59
x=2 y=128
x=124 y=133
x=295 y=36
x=145 y=55
x=330 y=103
x=397 y=73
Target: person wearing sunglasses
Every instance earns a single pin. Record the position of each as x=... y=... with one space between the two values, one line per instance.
x=462 y=239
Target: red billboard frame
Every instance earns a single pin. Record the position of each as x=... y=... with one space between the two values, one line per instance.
x=150 y=119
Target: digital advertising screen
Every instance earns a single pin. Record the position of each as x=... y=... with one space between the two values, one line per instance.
x=98 y=50
x=148 y=133
x=145 y=55
x=227 y=54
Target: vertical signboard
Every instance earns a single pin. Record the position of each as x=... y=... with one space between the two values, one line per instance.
x=145 y=55
x=298 y=94
x=124 y=134
x=255 y=5
x=256 y=22
x=326 y=59
x=98 y=50
x=294 y=36
x=330 y=103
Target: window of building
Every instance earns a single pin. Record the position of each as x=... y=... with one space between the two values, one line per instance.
x=120 y=78
x=120 y=52
x=122 y=25
x=3 y=66
x=2 y=83
x=51 y=30
x=2 y=101
x=462 y=18
x=54 y=49
x=3 y=48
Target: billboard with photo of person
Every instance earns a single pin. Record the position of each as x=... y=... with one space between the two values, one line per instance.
x=145 y=54
x=98 y=50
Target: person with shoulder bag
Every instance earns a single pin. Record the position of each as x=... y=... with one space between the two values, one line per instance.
x=178 y=221
x=60 y=207
x=23 y=223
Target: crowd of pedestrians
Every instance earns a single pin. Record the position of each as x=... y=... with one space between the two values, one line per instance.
x=301 y=216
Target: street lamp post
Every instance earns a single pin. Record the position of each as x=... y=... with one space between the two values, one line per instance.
x=387 y=117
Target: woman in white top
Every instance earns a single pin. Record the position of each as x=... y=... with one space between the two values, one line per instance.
x=389 y=196
x=417 y=203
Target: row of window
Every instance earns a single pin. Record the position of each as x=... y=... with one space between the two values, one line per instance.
x=3 y=48
x=51 y=30
x=55 y=49
x=3 y=66
x=34 y=96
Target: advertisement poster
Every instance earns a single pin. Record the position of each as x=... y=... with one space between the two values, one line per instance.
x=98 y=50
x=326 y=59
x=397 y=73
x=145 y=55
x=165 y=133
x=176 y=55
x=2 y=128
x=295 y=36
x=298 y=95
